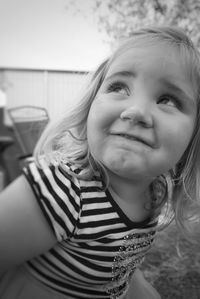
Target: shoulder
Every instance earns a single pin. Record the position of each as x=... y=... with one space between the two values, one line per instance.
x=57 y=190
x=53 y=176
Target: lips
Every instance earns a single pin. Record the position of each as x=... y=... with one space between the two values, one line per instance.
x=140 y=139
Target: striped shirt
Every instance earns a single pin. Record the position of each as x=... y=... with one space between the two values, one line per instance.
x=98 y=247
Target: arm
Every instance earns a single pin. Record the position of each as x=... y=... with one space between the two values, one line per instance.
x=24 y=231
x=140 y=288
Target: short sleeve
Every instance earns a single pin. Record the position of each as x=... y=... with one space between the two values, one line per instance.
x=58 y=194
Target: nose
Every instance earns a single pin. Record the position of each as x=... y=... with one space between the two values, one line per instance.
x=137 y=114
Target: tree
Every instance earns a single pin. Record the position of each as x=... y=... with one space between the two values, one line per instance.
x=119 y=18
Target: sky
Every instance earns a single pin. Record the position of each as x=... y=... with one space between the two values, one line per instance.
x=45 y=34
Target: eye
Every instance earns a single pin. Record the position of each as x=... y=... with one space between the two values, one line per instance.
x=118 y=87
x=169 y=100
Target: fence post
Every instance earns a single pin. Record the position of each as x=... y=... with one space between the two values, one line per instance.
x=2 y=178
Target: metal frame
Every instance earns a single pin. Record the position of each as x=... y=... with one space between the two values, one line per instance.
x=28 y=123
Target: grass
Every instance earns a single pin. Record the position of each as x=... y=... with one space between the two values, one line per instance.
x=174 y=275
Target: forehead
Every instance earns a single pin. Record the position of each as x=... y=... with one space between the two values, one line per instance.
x=158 y=59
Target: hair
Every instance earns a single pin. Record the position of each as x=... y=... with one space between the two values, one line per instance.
x=66 y=140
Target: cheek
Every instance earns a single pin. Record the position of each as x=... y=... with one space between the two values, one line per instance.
x=101 y=116
x=178 y=140
x=96 y=128
x=105 y=109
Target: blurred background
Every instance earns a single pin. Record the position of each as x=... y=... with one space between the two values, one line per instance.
x=48 y=46
x=47 y=50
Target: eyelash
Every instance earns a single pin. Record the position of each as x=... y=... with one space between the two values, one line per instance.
x=115 y=86
x=172 y=98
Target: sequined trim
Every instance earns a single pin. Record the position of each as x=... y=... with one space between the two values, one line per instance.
x=130 y=256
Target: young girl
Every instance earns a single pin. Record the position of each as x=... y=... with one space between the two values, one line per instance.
x=79 y=221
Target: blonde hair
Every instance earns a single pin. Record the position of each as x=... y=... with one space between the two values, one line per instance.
x=66 y=141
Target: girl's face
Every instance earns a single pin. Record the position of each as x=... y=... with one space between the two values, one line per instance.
x=143 y=116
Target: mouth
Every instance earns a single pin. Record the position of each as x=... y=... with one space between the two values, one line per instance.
x=135 y=138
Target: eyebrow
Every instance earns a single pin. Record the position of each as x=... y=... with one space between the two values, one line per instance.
x=175 y=88
x=126 y=74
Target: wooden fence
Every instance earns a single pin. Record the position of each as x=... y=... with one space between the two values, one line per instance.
x=54 y=90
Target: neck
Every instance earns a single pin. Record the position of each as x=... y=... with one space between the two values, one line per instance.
x=133 y=198
x=130 y=190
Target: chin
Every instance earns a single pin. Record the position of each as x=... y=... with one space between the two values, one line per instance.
x=124 y=170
